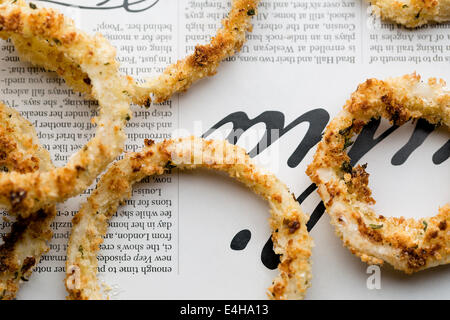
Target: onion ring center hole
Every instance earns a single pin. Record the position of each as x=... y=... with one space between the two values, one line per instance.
x=213 y=208
x=415 y=187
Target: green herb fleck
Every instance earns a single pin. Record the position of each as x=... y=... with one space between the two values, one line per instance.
x=425 y=224
x=169 y=165
x=376 y=226
x=128 y=117
x=33 y=6
x=251 y=12
x=80 y=249
x=418 y=14
x=347 y=143
x=405 y=6
x=57 y=41
x=347 y=167
x=345 y=131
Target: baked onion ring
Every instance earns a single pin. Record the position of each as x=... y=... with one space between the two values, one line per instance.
x=26 y=193
x=407 y=244
x=413 y=13
x=22 y=248
x=176 y=78
x=288 y=222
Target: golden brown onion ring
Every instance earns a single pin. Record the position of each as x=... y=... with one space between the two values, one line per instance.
x=413 y=13
x=288 y=222
x=22 y=248
x=176 y=78
x=26 y=193
x=407 y=244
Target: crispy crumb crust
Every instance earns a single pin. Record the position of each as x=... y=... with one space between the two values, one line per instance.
x=176 y=78
x=19 y=148
x=96 y=57
x=288 y=222
x=27 y=241
x=206 y=58
x=413 y=13
x=407 y=244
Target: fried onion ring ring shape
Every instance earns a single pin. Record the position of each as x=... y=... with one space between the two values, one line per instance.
x=26 y=193
x=22 y=248
x=413 y=13
x=288 y=222
x=206 y=58
x=407 y=244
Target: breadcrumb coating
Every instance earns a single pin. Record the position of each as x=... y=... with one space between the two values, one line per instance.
x=409 y=245
x=413 y=13
x=288 y=222
x=22 y=248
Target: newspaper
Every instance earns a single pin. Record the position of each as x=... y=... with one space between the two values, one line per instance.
x=198 y=235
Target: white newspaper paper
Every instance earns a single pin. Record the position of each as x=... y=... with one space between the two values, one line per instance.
x=174 y=238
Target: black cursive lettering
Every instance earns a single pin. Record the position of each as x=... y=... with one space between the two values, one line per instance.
x=442 y=154
x=421 y=132
x=275 y=129
x=130 y=6
x=318 y=119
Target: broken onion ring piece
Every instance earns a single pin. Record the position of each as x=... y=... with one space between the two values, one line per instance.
x=409 y=245
x=288 y=222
